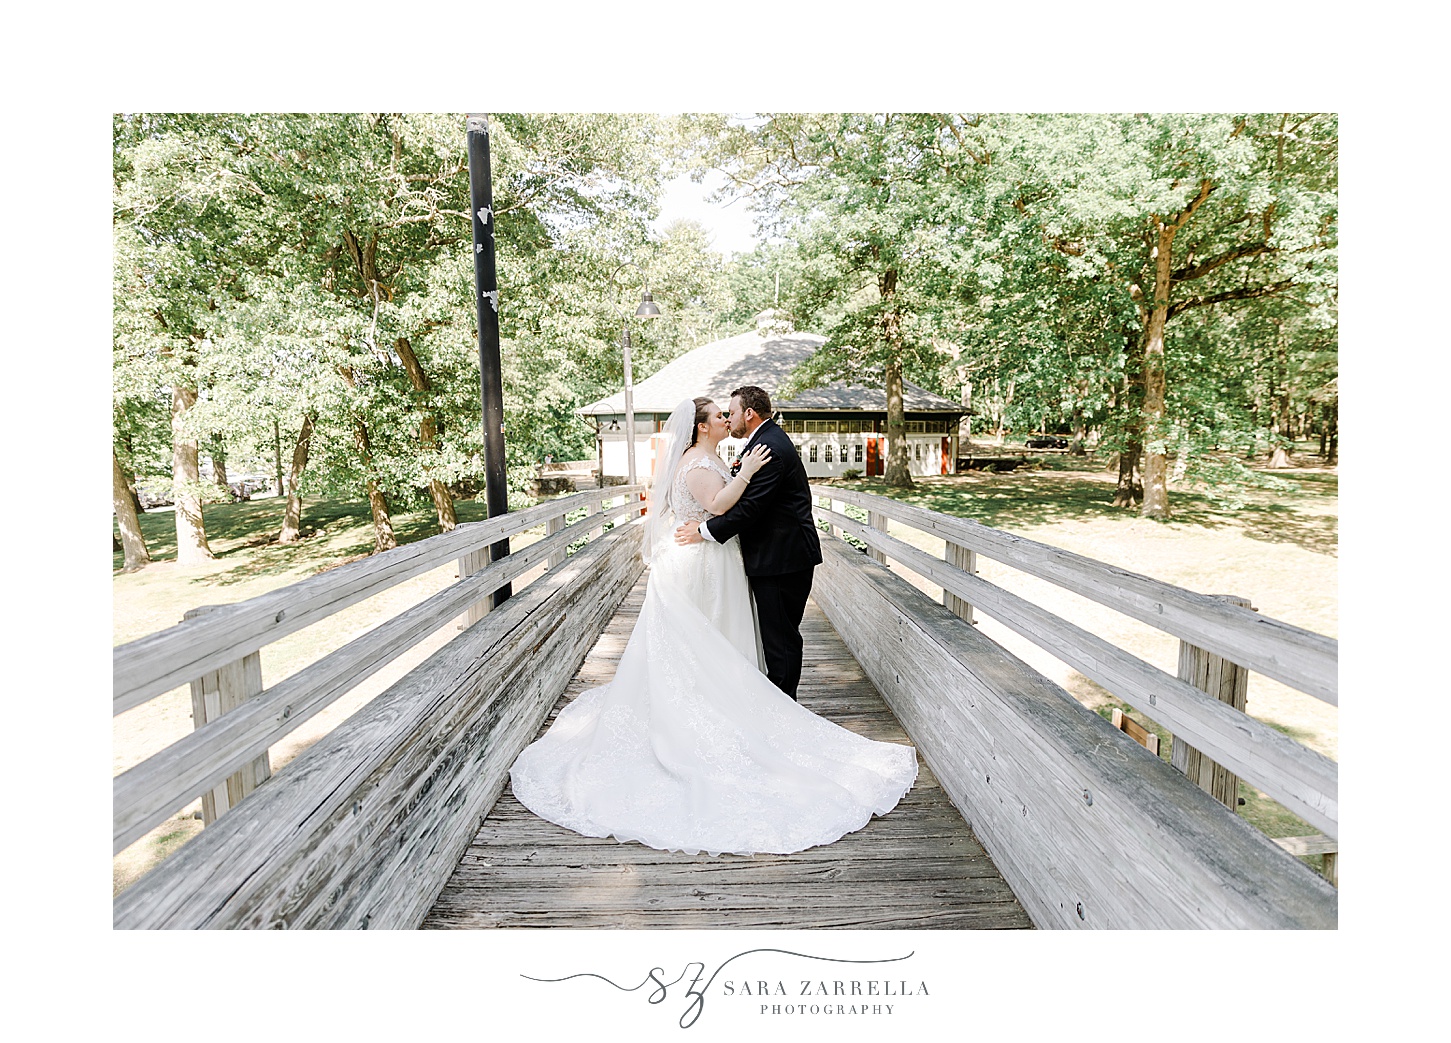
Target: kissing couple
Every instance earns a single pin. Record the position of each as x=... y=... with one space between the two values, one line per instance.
x=698 y=743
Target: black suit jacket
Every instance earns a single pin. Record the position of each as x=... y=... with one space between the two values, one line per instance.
x=773 y=516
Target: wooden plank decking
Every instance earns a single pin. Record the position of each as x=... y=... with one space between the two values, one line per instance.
x=918 y=867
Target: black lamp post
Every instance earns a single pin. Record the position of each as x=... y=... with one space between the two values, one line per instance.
x=648 y=309
x=486 y=289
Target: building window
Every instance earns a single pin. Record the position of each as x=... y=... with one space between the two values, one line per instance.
x=917 y=450
x=828 y=453
x=812 y=457
x=858 y=452
x=916 y=427
x=798 y=451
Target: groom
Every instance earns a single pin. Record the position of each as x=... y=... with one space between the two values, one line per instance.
x=779 y=543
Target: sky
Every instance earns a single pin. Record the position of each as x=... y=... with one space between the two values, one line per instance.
x=730 y=224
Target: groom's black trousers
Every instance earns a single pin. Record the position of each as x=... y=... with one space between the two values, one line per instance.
x=780 y=604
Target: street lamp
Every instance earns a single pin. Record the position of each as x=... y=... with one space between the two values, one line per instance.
x=648 y=309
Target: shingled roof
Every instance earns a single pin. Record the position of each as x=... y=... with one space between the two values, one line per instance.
x=764 y=357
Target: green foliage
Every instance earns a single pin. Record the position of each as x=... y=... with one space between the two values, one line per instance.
x=752 y=280
x=284 y=265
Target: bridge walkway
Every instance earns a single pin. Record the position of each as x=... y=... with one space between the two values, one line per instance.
x=918 y=867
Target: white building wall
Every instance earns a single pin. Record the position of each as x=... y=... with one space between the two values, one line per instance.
x=924 y=454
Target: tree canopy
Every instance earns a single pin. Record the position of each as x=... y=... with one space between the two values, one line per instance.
x=312 y=274
x=298 y=287
x=1167 y=281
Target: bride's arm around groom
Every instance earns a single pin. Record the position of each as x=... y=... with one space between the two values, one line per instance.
x=780 y=547
x=773 y=516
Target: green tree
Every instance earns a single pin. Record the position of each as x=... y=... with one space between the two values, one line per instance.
x=174 y=270
x=1172 y=214
x=865 y=198
x=334 y=274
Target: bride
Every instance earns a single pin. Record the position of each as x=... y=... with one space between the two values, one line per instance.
x=691 y=748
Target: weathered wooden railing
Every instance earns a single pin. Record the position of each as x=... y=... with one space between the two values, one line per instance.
x=363 y=828
x=1087 y=827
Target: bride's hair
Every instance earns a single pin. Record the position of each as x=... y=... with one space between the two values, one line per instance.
x=680 y=434
x=701 y=416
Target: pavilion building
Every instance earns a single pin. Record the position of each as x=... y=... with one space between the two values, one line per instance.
x=835 y=428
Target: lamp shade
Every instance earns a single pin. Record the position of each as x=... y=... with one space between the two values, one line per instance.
x=648 y=309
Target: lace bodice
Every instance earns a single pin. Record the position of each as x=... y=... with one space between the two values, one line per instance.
x=687 y=508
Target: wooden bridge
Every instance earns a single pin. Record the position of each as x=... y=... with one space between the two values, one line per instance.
x=1030 y=809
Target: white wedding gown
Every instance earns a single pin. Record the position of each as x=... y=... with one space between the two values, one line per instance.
x=690 y=748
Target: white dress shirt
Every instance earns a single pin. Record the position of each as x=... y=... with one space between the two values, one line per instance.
x=704 y=531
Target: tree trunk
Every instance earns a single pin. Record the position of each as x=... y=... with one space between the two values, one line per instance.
x=1280 y=451
x=277 y=449
x=1130 y=489
x=428 y=435
x=1156 y=460
x=1281 y=376
x=1324 y=428
x=442 y=499
x=898 y=472
x=217 y=449
x=1007 y=403
x=1080 y=432
x=292 y=516
x=130 y=475
x=1334 y=417
x=383 y=537
x=191 y=533
x=133 y=544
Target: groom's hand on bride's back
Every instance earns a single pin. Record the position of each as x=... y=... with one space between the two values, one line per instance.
x=689 y=533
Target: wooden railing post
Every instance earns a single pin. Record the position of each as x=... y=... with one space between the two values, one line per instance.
x=1227 y=682
x=551 y=526
x=959 y=557
x=591 y=508
x=879 y=522
x=840 y=508
x=470 y=563
x=214 y=694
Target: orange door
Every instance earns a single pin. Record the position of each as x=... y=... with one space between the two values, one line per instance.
x=874 y=455
x=946 y=449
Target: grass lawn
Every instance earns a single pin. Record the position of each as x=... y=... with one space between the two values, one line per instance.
x=1279 y=550
x=250 y=562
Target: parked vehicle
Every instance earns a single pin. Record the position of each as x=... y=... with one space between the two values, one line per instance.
x=248 y=484
x=152 y=498
x=1046 y=442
